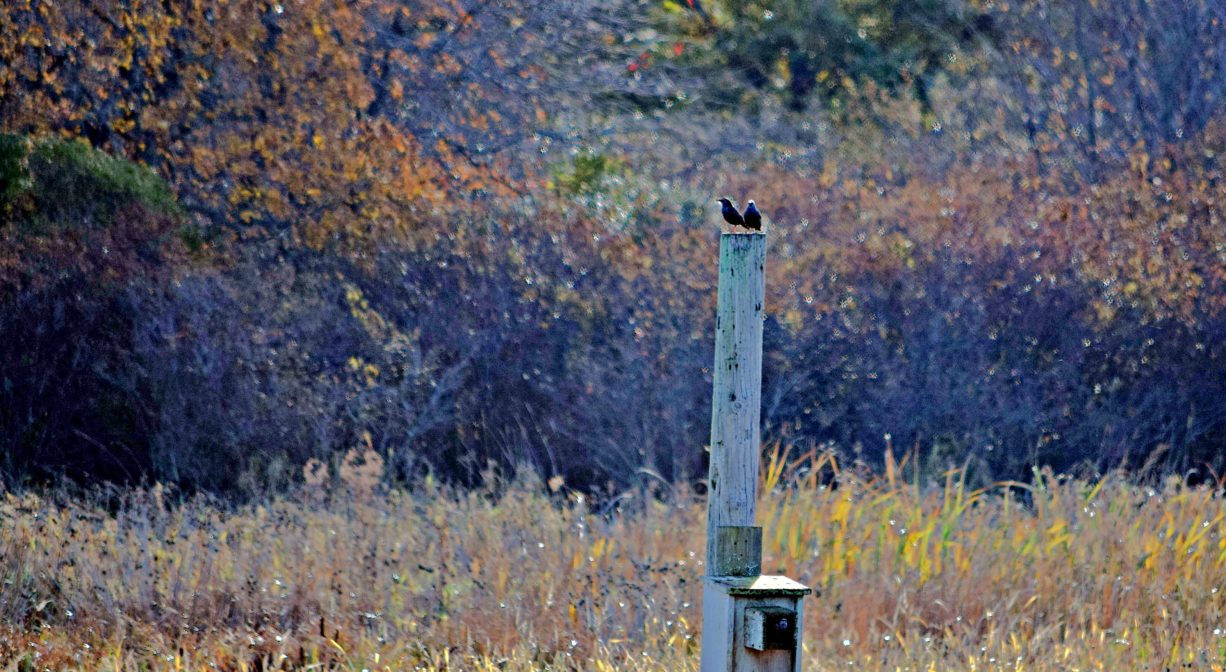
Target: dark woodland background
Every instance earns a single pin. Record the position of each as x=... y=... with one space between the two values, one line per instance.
x=238 y=236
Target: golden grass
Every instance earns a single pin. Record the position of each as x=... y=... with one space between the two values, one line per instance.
x=1052 y=575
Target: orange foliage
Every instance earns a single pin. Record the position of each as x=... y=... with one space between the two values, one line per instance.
x=1151 y=239
x=261 y=114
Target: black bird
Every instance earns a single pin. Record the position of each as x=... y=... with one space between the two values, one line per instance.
x=753 y=218
x=730 y=214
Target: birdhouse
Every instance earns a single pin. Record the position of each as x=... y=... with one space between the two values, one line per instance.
x=759 y=615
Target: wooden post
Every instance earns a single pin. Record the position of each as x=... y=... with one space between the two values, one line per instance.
x=750 y=622
x=736 y=399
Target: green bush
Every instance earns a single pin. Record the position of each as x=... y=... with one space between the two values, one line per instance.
x=82 y=233
x=73 y=183
x=14 y=177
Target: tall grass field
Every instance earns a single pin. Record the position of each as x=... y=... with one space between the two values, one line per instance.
x=1052 y=574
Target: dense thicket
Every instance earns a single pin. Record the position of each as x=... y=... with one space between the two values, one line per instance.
x=464 y=233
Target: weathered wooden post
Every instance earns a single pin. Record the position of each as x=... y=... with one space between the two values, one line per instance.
x=750 y=622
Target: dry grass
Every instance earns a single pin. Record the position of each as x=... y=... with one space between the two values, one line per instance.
x=1051 y=575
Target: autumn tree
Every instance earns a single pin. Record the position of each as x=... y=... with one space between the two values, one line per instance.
x=478 y=233
x=313 y=119
x=1106 y=81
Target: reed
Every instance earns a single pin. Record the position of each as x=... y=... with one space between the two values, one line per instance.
x=1054 y=574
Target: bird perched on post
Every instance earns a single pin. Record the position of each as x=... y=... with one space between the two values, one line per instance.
x=730 y=214
x=753 y=218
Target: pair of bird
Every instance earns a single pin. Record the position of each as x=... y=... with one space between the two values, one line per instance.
x=752 y=219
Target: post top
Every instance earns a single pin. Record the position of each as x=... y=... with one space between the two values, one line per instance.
x=761 y=586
